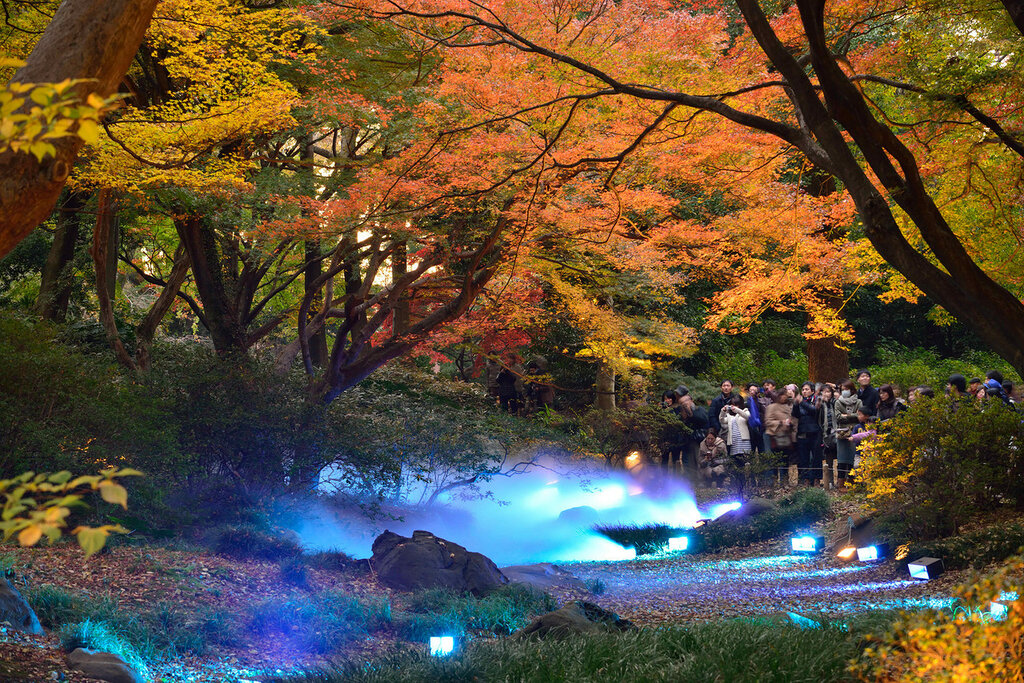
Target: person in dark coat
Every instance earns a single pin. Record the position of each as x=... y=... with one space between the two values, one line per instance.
x=719 y=402
x=867 y=394
x=888 y=405
x=808 y=435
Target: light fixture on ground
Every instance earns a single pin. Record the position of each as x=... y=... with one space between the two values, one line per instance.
x=847 y=553
x=808 y=543
x=1001 y=607
x=926 y=568
x=873 y=553
x=679 y=543
x=441 y=646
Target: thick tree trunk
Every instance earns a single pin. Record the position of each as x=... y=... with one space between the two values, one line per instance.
x=55 y=285
x=87 y=39
x=1016 y=10
x=106 y=210
x=826 y=361
x=221 y=315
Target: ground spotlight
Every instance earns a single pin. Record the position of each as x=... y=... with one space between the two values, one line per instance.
x=808 y=544
x=847 y=553
x=926 y=568
x=441 y=646
x=679 y=543
x=633 y=459
x=873 y=553
x=1001 y=607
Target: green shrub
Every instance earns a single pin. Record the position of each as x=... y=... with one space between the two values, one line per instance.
x=596 y=586
x=249 y=543
x=975 y=549
x=502 y=611
x=330 y=560
x=645 y=538
x=739 y=650
x=293 y=571
x=105 y=637
x=322 y=623
x=56 y=607
x=794 y=512
x=939 y=464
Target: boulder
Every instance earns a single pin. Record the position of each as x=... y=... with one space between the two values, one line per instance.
x=751 y=508
x=104 y=666
x=16 y=611
x=426 y=561
x=575 y=618
x=543 y=576
x=583 y=515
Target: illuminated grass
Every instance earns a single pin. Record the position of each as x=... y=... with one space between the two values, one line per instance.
x=322 y=623
x=765 y=651
x=501 y=612
x=794 y=512
x=645 y=538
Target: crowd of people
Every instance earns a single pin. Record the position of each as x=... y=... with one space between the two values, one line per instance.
x=816 y=427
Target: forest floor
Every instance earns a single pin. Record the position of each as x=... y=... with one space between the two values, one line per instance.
x=660 y=590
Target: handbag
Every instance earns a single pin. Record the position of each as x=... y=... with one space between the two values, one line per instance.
x=783 y=440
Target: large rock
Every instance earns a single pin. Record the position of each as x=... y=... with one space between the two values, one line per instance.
x=16 y=611
x=575 y=618
x=751 y=508
x=583 y=516
x=426 y=561
x=543 y=576
x=104 y=666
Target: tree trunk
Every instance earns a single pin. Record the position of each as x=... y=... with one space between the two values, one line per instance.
x=86 y=39
x=318 y=340
x=106 y=209
x=147 y=328
x=55 y=285
x=605 y=386
x=399 y=267
x=826 y=361
x=1016 y=10
x=221 y=315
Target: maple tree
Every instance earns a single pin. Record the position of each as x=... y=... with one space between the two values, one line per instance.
x=794 y=77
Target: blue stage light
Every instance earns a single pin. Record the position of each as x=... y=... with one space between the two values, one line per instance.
x=1001 y=607
x=873 y=553
x=679 y=543
x=808 y=544
x=925 y=568
x=441 y=646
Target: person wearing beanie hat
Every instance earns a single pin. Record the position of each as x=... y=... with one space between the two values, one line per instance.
x=867 y=394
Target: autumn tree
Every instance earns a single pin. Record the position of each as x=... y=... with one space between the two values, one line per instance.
x=795 y=77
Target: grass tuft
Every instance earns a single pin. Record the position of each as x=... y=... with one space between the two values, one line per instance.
x=645 y=538
x=321 y=624
x=249 y=543
x=501 y=612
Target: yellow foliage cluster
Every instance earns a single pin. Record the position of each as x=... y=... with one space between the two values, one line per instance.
x=37 y=505
x=56 y=111
x=964 y=643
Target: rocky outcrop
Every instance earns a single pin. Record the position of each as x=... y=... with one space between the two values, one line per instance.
x=543 y=576
x=426 y=561
x=16 y=611
x=575 y=618
x=104 y=666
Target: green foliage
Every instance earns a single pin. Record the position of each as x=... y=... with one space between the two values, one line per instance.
x=596 y=586
x=250 y=543
x=322 y=623
x=615 y=433
x=754 y=365
x=975 y=549
x=293 y=571
x=501 y=612
x=909 y=367
x=60 y=409
x=960 y=644
x=738 y=650
x=330 y=560
x=411 y=435
x=940 y=463
x=794 y=512
x=103 y=637
x=159 y=629
x=645 y=538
